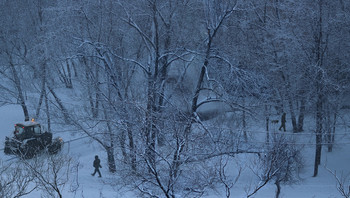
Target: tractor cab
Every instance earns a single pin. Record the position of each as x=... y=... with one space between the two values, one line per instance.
x=27 y=130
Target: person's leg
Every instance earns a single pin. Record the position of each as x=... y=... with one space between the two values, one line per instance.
x=99 y=173
x=93 y=174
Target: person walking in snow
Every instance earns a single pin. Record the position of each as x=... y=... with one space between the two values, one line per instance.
x=97 y=166
x=283 y=122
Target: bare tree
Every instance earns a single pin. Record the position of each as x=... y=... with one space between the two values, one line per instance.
x=51 y=173
x=280 y=164
x=228 y=180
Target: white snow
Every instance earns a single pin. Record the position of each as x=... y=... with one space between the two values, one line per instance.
x=84 y=150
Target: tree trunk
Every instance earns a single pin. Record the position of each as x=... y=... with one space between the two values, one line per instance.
x=43 y=91
x=176 y=159
x=110 y=148
x=47 y=110
x=319 y=123
x=93 y=78
x=292 y=114
x=152 y=94
x=95 y=106
x=122 y=139
x=331 y=122
x=69 y=77
x=25 y=110
x=319 y=131
x=111 y=160
x=150 y=128
x=301 y=116
x=132 y=151
x=20 y=98
x=60 y=104
x=328 y=127
x=244 y=122
x=267 y=126
x=65 y=75
x=278 y=190
x=333 y=130
x=319 y=91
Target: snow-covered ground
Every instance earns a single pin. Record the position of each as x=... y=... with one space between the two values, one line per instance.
x=83 y=151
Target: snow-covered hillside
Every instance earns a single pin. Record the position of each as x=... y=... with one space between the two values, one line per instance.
x=83 y=152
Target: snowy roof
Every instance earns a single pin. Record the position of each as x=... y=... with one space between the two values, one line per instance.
x=28 y=123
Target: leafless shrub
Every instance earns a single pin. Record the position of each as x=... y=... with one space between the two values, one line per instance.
x=280 y=164
x=15 y=180
x=342 y=183
x=51 y=173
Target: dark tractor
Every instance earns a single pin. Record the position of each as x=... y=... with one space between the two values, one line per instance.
x=30 y=138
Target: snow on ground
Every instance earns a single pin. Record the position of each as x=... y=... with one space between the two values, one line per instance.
x=83 y=151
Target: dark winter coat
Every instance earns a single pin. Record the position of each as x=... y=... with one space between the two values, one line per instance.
x=283 y=119
x=97 y=163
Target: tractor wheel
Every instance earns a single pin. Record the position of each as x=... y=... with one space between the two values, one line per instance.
x=30 y=150
x=7 y=149
x=55 y=146
x=10 y=147
x=27 y=153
